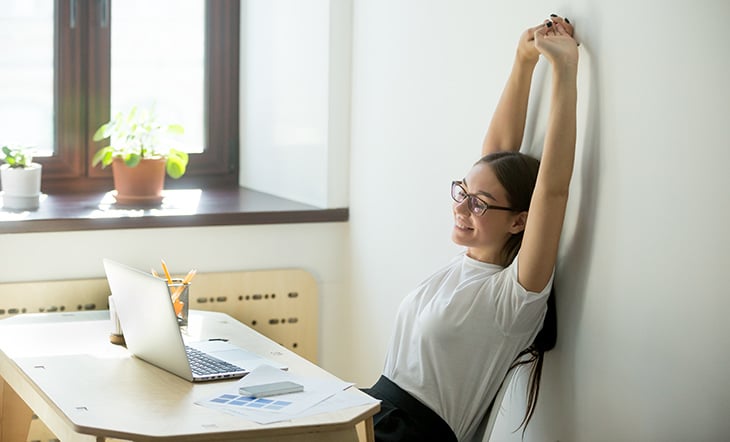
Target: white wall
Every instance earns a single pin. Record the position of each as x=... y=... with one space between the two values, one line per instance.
x=295 y=95
x=642 y=354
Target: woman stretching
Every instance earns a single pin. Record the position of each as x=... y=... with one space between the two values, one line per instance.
x=460 y=331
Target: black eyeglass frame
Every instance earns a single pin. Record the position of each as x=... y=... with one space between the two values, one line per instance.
x=470 y=197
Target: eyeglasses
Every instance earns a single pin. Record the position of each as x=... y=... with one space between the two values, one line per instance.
x=475 y=204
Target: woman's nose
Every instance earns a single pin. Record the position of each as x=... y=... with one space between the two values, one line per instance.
x=462 y=207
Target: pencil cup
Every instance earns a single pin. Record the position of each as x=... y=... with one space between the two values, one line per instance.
x=180 y=296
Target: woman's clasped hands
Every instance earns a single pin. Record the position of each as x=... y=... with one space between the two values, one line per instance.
x=554 y=40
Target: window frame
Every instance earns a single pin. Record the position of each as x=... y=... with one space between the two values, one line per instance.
x=82 y=57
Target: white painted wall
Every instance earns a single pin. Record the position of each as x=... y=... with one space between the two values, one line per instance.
x=295 y=95
x=644 y=333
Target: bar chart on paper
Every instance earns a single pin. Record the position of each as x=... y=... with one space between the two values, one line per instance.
x=235 y=400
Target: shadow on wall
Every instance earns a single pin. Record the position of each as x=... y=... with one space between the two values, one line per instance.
x=575 y=263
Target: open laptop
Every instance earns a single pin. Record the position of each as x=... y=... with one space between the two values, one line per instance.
x=151 y=331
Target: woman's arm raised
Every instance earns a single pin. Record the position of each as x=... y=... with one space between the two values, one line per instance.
x=507 y=126
x=547 y=209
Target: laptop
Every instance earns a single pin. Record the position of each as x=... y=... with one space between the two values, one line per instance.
x=142 y=302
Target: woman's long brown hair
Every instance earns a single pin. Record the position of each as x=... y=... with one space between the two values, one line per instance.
x=544 y=341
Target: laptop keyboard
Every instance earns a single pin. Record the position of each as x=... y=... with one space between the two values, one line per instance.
x=205 y=364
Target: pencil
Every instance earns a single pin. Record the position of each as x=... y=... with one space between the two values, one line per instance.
x=167 y=272
x=189 y=277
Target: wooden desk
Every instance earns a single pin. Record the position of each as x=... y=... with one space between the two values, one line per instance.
x=84 y=388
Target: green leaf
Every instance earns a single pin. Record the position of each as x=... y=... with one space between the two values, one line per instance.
x=17 y=156
x=179 y=154
x=132 y=159
x=175 y=129
x=99 y=156
x=100 y=133
x=175 y=167
x=132 y=113
x=108 y=158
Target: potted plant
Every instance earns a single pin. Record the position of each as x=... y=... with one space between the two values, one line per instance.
x=20 y=178
x=139 y=154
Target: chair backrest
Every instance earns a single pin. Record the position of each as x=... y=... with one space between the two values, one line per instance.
x=486 y=426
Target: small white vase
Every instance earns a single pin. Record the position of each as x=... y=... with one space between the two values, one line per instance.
x=21 y=186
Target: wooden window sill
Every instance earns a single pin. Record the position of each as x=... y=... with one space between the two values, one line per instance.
x=181 y=208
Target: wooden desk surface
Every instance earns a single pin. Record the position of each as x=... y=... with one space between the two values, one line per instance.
x=64 y=367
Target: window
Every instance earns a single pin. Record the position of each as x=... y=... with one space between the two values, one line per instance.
x=159 y=63
x=68 y=64
x=26 y=70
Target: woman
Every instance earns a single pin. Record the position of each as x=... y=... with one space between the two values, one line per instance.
x=462 y=329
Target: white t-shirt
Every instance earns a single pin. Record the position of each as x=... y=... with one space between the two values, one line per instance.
x=457 y=334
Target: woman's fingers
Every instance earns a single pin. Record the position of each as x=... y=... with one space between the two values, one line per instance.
x=554 y=27
x=551 y=28
x=530 y=34
x=555 y=19
x=560 y=29
x=542 y=30
x=565 y=22
x=554 y=42
x=531 y=31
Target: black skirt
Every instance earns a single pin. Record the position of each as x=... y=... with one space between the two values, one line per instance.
x=403 y=418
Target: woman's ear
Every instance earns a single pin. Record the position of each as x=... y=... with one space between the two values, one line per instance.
x=518 y=223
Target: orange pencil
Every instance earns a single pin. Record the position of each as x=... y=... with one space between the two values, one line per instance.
x=167 y=272
x=189 y=277
x=178 y=306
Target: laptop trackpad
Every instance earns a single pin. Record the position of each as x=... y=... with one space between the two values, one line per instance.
x=234 y=354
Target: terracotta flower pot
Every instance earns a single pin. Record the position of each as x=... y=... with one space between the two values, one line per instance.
x=21 y=186
x=140 y=185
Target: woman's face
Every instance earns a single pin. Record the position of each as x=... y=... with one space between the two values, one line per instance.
x=485 y=235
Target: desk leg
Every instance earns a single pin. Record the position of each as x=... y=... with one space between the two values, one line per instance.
x=369 y=430
x=365 y=430
x=15 y=416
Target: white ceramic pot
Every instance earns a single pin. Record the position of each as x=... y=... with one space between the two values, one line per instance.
x=21 y=186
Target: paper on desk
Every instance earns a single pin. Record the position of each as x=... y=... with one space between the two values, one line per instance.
x=286 y=406
x=340 y=401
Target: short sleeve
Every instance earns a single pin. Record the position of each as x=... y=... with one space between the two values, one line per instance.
x=518 y=310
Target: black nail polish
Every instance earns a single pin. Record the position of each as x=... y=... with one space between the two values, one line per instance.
x=549 y=24
x=566 y=20
x=553 y=15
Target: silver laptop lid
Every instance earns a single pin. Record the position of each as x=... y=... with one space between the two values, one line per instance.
x=148 y=320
